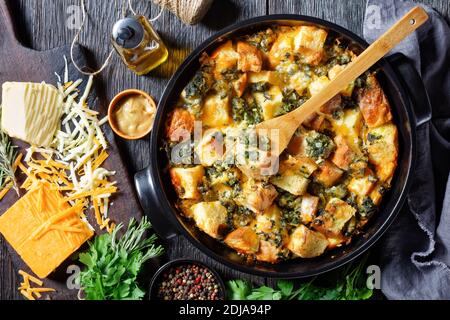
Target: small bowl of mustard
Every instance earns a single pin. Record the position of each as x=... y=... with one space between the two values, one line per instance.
x=131 y=114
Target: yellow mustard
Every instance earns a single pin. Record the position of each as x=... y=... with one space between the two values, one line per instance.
x=134 y=115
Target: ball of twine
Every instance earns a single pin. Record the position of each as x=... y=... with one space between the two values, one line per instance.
x=189 y=11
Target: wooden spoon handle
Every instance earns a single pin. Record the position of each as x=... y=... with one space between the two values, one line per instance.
x=399 y=31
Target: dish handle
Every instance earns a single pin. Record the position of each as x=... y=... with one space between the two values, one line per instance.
x=411 y=80
x=151 y=206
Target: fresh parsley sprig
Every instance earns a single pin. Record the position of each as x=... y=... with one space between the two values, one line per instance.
x=113 y=263
x=350 y=285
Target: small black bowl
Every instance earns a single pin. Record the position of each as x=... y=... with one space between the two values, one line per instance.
x=156 y=280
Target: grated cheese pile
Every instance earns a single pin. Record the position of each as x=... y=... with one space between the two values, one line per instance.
x=92 y=190
x=72 y=165
x=74 y=160
x=31 y=293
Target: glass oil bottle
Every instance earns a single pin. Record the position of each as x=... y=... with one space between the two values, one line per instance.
x=138 y=44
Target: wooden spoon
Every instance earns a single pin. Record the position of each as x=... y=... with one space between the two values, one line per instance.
x=287 y=124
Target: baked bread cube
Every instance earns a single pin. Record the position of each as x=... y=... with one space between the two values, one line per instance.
x=293 y=175
x=187 y=180
x=382 y=145
x=225 y=58
x=243 y=240
x=283 y=46
x=211 y=218
x=216 y=111
x=257 y=196
x=180 y=125
x=308 y=208
x=306 y=243
x=210 y=149
x=343 y=155
x=374 y=104
x=271 y=234
x=333 y=73
x=328 y=174
x=363 y=185
x=250 y=58
x=309 y=43
x=336 y=215
x=269 y=101
x=317 y=85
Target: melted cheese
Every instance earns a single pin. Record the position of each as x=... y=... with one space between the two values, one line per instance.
x=350 y=126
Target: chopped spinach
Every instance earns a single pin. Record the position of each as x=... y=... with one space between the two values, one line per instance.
x=291 y=100
x=259 y=86
x=339 y=191
x=351 y=200
x=262 y=40
x=337 y=114
x=230 y=74
x=290 y=206
x=321 y=70
x=367 y=208
x=344 y=59
x=241 y=216
x=238 y=108
x=318 y=146
x=242 y=111
x=348 y=103
x=264 y=143
x=359 y=82
x=317 y=189
x=371 y=137
x=206 y=191
x=199 y=85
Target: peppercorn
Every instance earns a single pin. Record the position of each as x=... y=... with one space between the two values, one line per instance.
x=188 y=282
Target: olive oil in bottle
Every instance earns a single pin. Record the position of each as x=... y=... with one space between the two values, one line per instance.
x=138 y=44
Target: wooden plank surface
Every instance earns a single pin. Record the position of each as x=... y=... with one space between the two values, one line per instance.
x=42 y=25
x=46 y=63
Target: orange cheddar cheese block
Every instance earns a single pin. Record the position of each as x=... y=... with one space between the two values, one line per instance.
x=44 y=228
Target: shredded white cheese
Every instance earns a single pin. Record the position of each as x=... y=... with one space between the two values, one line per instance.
x=78 y=143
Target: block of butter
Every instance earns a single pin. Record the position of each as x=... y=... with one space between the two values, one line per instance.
x=31 y=111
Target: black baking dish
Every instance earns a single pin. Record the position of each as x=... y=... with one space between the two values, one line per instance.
x=410 y=108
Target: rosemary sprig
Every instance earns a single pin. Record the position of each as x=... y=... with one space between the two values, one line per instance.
x=134 y=239
x=8 y=154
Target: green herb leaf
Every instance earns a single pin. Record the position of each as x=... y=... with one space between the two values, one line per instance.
x=286 y=287
x=113 y=263
x=350 y=285
x=238 y=289
x=263 y=293
x=86 y=259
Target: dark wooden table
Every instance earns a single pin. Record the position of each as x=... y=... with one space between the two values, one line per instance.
x=43 y=24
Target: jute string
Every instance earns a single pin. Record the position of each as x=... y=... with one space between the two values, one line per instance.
x=189 y=11
x=77 y=36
